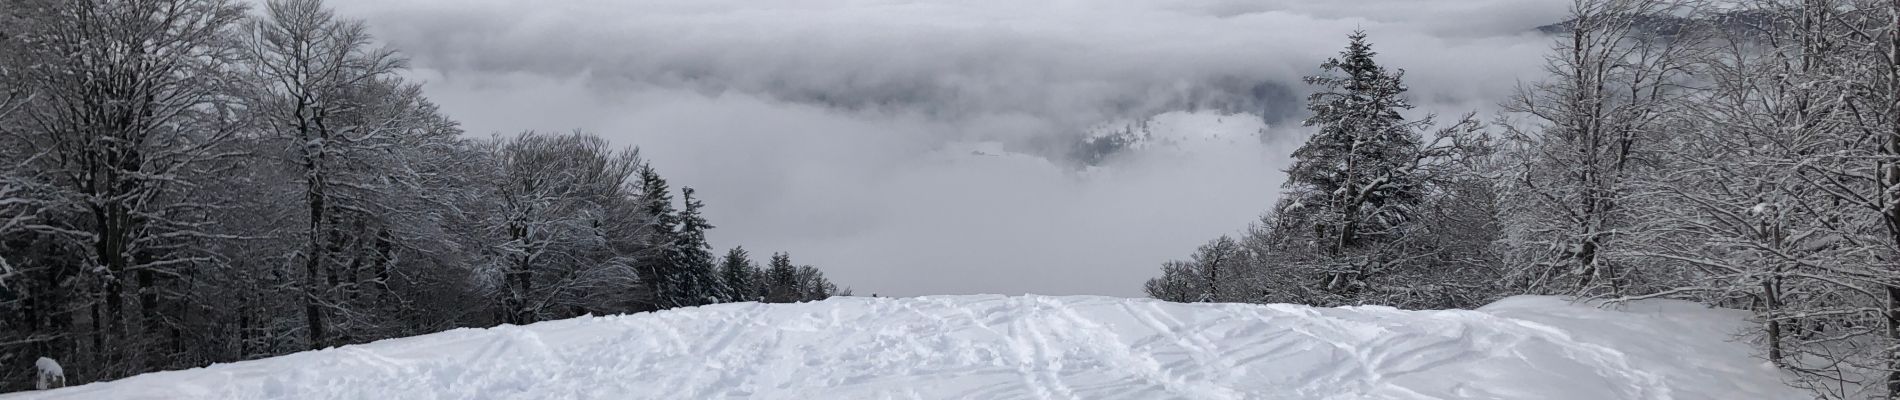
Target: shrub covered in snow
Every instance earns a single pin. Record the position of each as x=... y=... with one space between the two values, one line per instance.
x=49 y=374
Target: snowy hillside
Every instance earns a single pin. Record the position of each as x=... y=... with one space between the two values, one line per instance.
x=991 y=347
x=1182 y=129
x=1189 y=133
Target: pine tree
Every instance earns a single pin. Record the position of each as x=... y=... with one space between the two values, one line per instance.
x=1352 y=183
x=761 y=283
x=661 y=223
x=781 y=280
x=736 y=272
x=695 y=282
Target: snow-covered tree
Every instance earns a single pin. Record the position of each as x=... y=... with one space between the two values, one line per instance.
x=1217 y=272
x=695 y=279
x=180 y=186
x=1588 y=134
x=128 y=107
x=1351 y=212
x=1177 y=283
x=1349 y=181
x=1838 y=101
x=811 y=285
x=660 y=225
x=781 y=280
x=1732 y=217
x=1350 y=185
x=353 y=130
x=568 y=225
x=736 y=273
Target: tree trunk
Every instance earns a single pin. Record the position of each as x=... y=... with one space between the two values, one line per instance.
x=1890 y=176
x=1771 y=302
x=313 y=279
x=1893 y=334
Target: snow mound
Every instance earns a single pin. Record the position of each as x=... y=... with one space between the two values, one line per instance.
x=997 y=347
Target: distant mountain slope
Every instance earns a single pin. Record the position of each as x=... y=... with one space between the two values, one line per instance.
x=996 y=347
x=1176 y=130
x=1743 y=21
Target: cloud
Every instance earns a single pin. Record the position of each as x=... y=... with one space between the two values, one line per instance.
x=839 y=130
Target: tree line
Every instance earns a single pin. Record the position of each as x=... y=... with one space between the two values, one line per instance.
x=184 y=182
x=1744 y=155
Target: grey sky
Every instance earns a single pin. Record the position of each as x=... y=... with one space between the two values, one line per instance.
x=842 y=130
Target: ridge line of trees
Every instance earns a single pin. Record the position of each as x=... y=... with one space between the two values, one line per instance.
x=184 y=182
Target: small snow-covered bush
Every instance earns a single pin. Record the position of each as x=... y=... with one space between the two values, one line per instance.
x=50 y=374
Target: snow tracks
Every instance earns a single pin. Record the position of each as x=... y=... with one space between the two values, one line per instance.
x=1026 y=347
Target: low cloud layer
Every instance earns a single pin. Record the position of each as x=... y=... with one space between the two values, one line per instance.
x=926 y=147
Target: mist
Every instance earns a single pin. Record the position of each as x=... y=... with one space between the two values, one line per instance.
x=914 y=148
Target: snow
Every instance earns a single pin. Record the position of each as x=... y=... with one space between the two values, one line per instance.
x=47 y=366
x=1185 y=130
x=998 y=347
x=49 y=374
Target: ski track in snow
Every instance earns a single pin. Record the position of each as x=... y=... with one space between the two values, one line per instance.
x=1027 y=347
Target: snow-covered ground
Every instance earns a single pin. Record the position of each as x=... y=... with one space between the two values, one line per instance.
x=996 y=347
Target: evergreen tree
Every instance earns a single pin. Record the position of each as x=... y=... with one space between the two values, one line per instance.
x=781 y=280
x=761 y=284
x=1358 y=160
x=661 y=223
x=1352 y=183
x=695 y=282
x=736 y=272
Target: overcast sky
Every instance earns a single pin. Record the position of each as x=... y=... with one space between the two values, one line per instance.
x=846 y=131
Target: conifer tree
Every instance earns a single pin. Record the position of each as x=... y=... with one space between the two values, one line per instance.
x=661 y=223
x=1352 y=183
x=781 y=280
x=694 y=281
x=736 y=272
x=761 y=283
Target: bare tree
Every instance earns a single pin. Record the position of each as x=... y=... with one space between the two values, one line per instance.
x=567 y=223
x=128 y=103
x=180 y=186
x=1591 y=133
x=352 y=129
x=1216 y=273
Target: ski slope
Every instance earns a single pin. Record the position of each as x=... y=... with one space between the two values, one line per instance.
x=1024 y=347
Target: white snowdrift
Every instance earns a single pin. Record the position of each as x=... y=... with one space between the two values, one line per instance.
x=995 y=347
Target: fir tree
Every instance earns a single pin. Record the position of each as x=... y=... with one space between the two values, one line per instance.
x=661 y=224
x=737 y=273
x=1351 y=184
x=694 y=282
x=760 y=282
x=781 y=280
